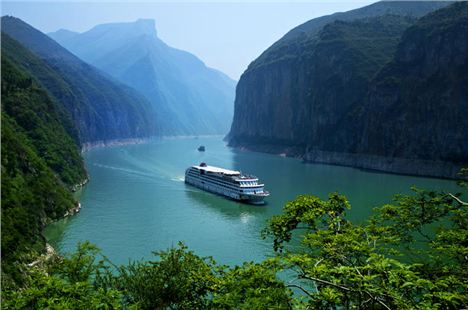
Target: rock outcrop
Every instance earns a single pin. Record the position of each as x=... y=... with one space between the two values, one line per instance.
x=385 y=91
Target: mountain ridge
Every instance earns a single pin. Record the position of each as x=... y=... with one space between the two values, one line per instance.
x=191 y=97
x=101 y=107
x=316 y=99
x=310 y=28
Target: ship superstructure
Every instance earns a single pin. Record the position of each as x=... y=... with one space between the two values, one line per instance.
x=229 y=183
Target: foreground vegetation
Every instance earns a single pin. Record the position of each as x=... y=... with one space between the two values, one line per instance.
x=411 y=254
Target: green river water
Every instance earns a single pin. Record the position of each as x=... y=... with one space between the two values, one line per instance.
x=136 y=200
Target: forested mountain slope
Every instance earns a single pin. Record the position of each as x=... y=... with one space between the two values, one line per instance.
x=41 y=162
x=101 y=108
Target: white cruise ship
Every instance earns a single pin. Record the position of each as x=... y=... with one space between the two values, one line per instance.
x=229 y=183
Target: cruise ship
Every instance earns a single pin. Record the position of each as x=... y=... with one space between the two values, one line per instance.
x=229 y=183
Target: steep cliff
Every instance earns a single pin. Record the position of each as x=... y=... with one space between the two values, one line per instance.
x=101 y=108
x=413 y=117
x=314 y=94
x=308 y=95
x=190 y=97
x=417 y=105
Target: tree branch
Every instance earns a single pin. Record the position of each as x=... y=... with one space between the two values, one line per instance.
x=344 y=288
x=301 y=288
x=378 y=300
x=458 y=200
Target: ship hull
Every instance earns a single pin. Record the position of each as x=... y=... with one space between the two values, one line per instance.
x=226 y=192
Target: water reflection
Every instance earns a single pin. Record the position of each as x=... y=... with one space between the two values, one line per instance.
x=230 y=209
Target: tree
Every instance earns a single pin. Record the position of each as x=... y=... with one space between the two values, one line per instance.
x=251 y=286
x=411 y=254
x=177 y=279
x=66 y=283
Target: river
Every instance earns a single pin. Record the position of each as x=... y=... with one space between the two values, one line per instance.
x=137 y=202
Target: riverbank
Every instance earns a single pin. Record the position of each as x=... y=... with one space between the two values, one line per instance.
x=50 y=255
x=402 y=166
x=87 y=146
x=119 y=142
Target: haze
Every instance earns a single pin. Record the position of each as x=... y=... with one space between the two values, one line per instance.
x=226 y=36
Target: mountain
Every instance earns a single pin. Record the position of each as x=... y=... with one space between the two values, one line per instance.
x=41 y=162
x=417 y=105
x=191 y=98
x=101 y=108
x=64 y=34
x=311 y=94
x=295 y=41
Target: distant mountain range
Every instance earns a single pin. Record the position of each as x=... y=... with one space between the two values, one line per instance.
x=190 y=98
x=101 y=107
x=382 y=87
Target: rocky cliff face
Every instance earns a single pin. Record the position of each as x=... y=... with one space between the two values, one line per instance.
x=417 y=105
x=375 y=92
x=308 y=95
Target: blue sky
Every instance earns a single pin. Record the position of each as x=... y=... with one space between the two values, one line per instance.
x=225 y=35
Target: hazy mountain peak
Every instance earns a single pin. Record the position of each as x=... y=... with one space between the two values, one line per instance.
x=192 y=98
x=64 y=34
x=145 y=26
x=126 y=29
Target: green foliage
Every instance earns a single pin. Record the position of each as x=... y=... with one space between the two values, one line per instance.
x=40 y=161
x=81 y=265
x=31 y=194
x=409 y=255
x=251 y=286
x=177 y=279
x=47 y=292
x=69 y=287
x=42 y=121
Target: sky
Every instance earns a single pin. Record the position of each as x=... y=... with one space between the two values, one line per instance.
x=225 y=35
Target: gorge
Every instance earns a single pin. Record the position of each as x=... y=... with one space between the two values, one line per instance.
x=343 y=99
x=353 y=89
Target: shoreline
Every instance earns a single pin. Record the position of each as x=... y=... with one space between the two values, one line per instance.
x=364 y=162
x=50 y=252
x=88 y=146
